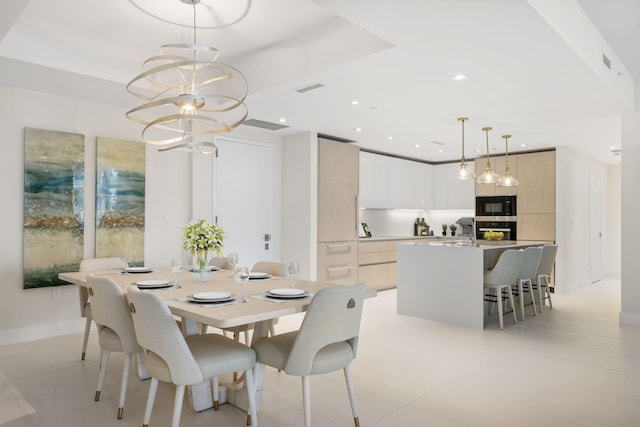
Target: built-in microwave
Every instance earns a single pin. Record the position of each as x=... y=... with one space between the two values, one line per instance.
x=496 y=206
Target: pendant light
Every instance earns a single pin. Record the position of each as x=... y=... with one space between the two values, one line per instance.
x=463 y=171
x=507 y=179
x=488 y=176
x=188 y=96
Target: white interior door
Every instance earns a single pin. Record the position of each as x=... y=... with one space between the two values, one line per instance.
x=243 y=198
x=595 y=228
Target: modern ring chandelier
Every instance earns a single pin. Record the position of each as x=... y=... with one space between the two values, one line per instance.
x=188 y=96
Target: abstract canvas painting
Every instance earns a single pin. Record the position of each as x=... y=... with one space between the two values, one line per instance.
x=53 y=218
x=120 y=199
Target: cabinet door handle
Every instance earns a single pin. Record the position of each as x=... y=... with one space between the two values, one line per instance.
x=337 y=269
x=335 y=247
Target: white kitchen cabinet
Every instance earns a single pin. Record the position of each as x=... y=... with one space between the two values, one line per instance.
x=367 y=179
x=451 y=193
x=392 y=183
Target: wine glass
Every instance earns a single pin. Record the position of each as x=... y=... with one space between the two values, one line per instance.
x=177 y=265
x=232 y=259
x=241 y=276
x=292 y=271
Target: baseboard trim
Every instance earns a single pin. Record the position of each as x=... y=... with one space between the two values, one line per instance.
x=629 y=318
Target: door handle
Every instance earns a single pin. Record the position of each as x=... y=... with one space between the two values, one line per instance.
x=267 y=237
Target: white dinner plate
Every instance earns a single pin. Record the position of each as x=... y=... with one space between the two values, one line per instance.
x=257 y=275
x=153 y=284
x=200 y=299
x=138 y=270
x=287 y=293
x=211 y=296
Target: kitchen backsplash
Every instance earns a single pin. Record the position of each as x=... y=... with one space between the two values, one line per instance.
x=397 y=222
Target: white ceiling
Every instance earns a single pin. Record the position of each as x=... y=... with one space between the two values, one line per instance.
x=533 y=77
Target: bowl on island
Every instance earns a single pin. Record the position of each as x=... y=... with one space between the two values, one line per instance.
x=493 y=235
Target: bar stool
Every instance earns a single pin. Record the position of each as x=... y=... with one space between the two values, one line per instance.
x=530 y=262
x=542 y=280
x=500 y=279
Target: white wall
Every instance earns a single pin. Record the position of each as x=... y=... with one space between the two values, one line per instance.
x=299 y=201
x=630 y=311
x=32 y=314
x=572 y=217
x=613 y=227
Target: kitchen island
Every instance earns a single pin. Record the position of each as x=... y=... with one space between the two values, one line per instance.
x=443 y=281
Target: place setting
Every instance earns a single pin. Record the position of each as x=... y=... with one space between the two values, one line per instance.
x=212 y=299
x=283 y=295
x=155 y=285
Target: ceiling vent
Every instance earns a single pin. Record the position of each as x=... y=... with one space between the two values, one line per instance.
x=438 y=143
x=606 y=61
x=309 y=87
x=264 y=125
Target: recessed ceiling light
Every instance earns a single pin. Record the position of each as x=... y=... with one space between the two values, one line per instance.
x=441 y=151
x=358 y=129
x=354 y=102
x=478 y=150
x=612 y=147
x=523 y=145
x=417 y=145
x=458 y=77
x=282 y=120
x=390 y=138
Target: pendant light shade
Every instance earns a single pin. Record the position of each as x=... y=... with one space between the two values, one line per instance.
x=507 y=179
x=463 y=171
x=188 y=96
x=488 y=176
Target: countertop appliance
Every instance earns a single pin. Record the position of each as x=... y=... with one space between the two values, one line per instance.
x=466 y=226
x=496 y=206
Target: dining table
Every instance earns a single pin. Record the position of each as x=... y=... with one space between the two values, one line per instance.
x=258 y=308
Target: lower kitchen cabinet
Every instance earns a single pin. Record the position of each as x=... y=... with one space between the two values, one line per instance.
x=338 y=262
x=377 y=262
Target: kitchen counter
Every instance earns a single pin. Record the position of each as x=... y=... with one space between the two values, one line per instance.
x=425 y=238
x=443 y=281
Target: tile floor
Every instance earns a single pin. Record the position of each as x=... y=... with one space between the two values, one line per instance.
x=571 y=366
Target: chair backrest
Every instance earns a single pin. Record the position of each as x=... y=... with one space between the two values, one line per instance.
x=272 y=268
x=547 y=259
x=110 y=309
x=96 y=264
x=530 y=261
x=220 y=262
x=333 y=316
x=158 y=332
x=506 y=269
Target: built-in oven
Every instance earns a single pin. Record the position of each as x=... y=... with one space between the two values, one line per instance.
x=496 y=206
x=507 y=228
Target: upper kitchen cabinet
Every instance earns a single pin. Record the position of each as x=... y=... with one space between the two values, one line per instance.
x=337 y=191
x=451 y=193
x=537 y=182
x=391 y=183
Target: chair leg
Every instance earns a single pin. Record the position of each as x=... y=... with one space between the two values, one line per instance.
x=521 y=299
x=103 y=369
x=141 y=364
x=123 y=385
x=216 y=392
x=540 y=298
x=547 y=289
x=252 y=416
x=306 y=400
x=153 y=388
x=352 y=395
x=513 y=306
x=500 y=314
x=87 y=330
x=177 y=406
x=533 y=298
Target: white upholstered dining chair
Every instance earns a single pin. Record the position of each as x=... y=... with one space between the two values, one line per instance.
x=173 y=358
x=499 y=280
x=327 y=341
x=115 y=330
x=87 y=265
x=269 y=267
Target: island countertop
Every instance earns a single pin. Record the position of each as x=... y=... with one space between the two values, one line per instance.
x=443 y=281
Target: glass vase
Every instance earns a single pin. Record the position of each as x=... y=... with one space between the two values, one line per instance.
x=201 y=267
